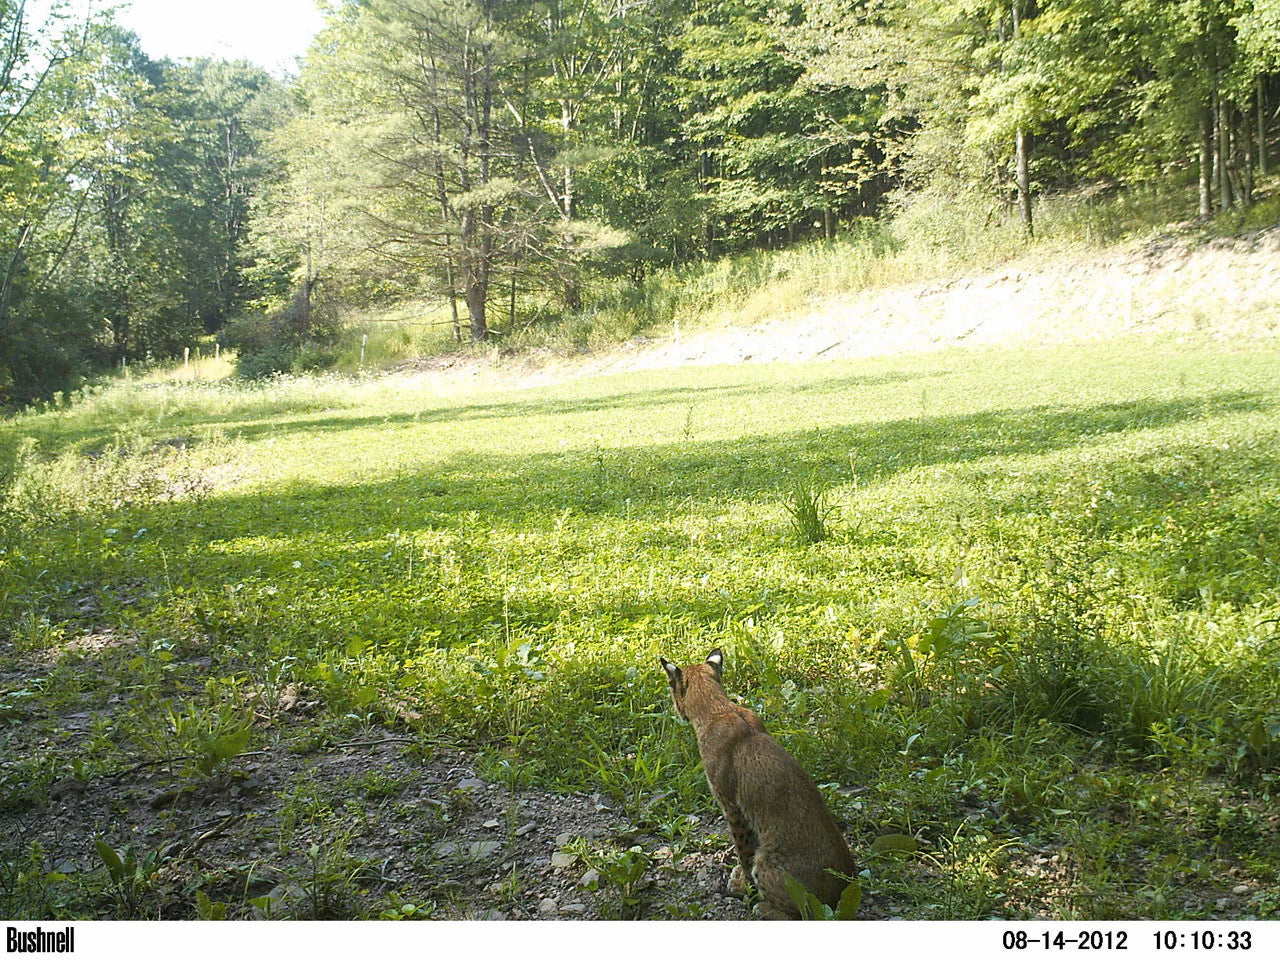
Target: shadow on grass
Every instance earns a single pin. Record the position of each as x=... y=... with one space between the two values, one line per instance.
x=340 y=562
x=525 y=490
x=465 y=412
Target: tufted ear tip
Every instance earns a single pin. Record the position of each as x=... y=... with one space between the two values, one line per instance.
x=716 y=659
x=672 y=670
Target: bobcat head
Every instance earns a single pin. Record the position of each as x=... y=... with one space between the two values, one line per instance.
x=710 y=669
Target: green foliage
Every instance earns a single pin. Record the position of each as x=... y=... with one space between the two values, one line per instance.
x=811 y=908
x=297 y=338
x=809 y=508
x=623 y=877
x=208 y=738
x=132 y=878
x=331 y=881
x=206 y=909
x=29 y=890
x=635 y=778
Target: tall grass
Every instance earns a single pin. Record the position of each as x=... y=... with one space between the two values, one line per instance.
x=376 y=338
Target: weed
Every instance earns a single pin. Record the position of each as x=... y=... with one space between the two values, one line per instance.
x=811 y=908
x=970 y=861
x=207 y=909
x=623 y=876
x=133 y=878
x=634 y=777
x=206 y=739
x=29 y=890
x=398 y=908
x=331 y=880
x=373 y=785
x=809 y=507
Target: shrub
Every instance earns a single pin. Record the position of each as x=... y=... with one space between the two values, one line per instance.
x=294 y=338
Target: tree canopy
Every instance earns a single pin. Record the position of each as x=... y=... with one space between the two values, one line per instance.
x=465 y=150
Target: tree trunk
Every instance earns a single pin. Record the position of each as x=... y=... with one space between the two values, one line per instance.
x=1206 y=163
x=1223 y=149
x=475 y=297
x=568 y=202
x=306 y=295
x=475 y=279
x=453 y=296
x=1234 y=153
x=1262 y=128
x=1246 y=160
x=1022 y=174
x=11 y=275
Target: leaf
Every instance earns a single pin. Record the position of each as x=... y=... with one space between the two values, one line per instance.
x=112 y=860
x=878 y=699
x=800 y=897
x=850 y=900
x=894 y=843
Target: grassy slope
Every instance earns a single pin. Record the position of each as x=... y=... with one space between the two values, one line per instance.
x=1043 y=617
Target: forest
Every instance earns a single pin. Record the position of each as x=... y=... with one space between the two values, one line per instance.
x=512 y=161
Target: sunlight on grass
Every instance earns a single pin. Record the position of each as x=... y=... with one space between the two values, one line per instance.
x=1049 y=586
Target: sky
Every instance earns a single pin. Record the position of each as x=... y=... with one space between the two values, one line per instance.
x=270 y=33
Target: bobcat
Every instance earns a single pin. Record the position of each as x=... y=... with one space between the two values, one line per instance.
x=780 y=824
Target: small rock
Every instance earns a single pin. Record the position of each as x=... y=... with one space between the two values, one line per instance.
x=527 y=829
x=548 y=906
x=574 y=909
x=590 y=879
x=561 y=861
x=1223 y=903
x=490 y=824
x=491 y=914
x=471 y=783
x=1242 y=890
x=279 y=898
x=563 y=838
x=478 y=850
x=67 y=787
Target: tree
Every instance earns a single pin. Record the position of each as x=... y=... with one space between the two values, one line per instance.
x=39 y=212
x=782 y=152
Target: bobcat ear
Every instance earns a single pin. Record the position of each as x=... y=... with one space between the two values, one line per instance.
x=673 y=672
x=716 y=659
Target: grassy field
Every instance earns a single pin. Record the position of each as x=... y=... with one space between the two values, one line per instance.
x=1016 y=610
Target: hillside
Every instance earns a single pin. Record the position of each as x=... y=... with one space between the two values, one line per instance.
x=1225 y=290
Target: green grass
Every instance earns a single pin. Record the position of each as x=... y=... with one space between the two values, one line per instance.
x=1043 y=618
